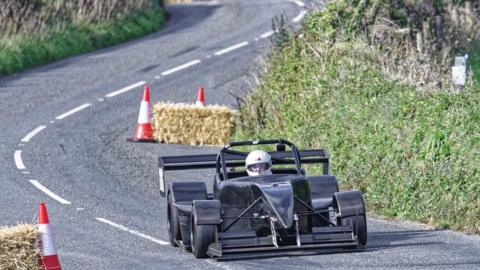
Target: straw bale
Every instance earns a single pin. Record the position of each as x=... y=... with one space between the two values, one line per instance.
x=19 y=248
x=190 y=124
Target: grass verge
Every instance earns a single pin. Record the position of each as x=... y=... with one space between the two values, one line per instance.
x=414 y=154
x=25 y=51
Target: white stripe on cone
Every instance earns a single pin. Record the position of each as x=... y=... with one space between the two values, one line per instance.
x=200 y=104
x=144 y=115
x=46 y=237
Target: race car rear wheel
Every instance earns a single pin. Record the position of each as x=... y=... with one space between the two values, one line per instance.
x=173 y=223
x=201 y=236
x=359 y=225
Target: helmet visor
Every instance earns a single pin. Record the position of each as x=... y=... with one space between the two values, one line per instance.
x=259 y=167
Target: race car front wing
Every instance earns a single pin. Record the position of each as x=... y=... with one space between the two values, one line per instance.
x=247 y=242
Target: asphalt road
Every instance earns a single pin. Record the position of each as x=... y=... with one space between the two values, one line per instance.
x=61 y=129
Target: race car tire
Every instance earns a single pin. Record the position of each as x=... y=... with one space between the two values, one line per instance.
x=201 y=236
x=173 y=223
x=359 y=228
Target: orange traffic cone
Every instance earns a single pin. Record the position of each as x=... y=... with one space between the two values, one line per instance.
x=144 y=131
x=49 y=257
x=200 y=97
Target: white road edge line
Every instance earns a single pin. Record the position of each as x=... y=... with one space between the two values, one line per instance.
x=77 y=109
x=184 y=66
x=123 y=228
x=298 y=2
x=234 y=47
x=218 y=264
x=125 y=89
x=18 y=160
x=267 y=34
x=48 y=192
x=300 y=16
x=32 y=133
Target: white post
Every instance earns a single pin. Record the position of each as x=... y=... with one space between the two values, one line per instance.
x=459 y=73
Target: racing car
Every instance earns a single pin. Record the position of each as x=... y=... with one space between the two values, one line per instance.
x=283 y=211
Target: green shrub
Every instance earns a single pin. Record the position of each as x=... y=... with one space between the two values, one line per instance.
x=475 y=62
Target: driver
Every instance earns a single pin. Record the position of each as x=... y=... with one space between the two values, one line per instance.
x=258 y=162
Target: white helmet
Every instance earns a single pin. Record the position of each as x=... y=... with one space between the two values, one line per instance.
x=258 y=162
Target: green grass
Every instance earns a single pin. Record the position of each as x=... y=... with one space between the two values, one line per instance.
x=21 y=52
x=475 y=62
x=414 y=154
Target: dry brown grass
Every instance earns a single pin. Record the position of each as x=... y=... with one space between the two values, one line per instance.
x=189 y=124
x=421 y=54
x=418 y=39
x=19 y=248
x=33 y=16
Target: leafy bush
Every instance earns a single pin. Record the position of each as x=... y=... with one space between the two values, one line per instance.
x=475 y=62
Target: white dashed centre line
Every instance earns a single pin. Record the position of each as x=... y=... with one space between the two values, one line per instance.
x=184 y=66
x=48 y=192
x=77 y=109
x=32 y=133
x=18 y=160
x=125 y=89
x=234 y=47
x=123 y=228
x=300 y=16
x=267 y=34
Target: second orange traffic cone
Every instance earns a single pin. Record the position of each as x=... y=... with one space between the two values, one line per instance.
x=144 y=131
x=48 y=258
x=200 y=97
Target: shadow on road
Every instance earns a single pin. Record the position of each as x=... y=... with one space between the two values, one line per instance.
x=242 y=257
x=376 y=241
x=393 y=239
x=181 y=17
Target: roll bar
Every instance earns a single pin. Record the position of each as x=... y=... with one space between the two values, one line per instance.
x=231 y=158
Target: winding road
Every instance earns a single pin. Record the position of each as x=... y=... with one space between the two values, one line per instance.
x=63 y=141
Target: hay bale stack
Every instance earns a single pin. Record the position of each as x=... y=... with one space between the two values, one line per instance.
x=19 y=248
x=189 y=124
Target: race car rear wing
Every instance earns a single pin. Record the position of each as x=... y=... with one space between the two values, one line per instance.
x=207 y=161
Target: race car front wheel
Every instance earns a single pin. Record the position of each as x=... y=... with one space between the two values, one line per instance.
x=173 y=223
x=359 y=226
x=201 y=236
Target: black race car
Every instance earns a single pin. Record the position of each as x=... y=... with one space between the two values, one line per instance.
x=287 y=210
